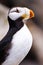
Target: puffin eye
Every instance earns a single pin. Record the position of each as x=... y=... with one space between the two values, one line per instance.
x=15 y=11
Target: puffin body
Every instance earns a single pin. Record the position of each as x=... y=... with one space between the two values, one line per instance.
x=20 y=46
x=18 y=40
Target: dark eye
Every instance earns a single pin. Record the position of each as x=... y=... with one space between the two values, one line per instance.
x=15 y=11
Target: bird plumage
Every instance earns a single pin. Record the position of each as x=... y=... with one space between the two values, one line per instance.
x=6 y=41
x=18 y=40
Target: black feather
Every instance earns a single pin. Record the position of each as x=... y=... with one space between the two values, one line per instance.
x=5 y=43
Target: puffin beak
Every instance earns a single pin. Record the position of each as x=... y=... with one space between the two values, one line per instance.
x=28 y=15
x=31 y=14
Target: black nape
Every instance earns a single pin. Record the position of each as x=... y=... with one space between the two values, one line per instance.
x=5 y=43
x=17 y=23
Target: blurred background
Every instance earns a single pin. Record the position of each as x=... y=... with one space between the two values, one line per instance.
x=35 y=56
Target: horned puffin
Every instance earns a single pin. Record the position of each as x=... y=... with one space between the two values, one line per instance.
x=18 y=40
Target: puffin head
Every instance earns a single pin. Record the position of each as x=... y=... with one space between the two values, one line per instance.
x=22 y=12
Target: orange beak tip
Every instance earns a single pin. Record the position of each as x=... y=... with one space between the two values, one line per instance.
x=31 y=14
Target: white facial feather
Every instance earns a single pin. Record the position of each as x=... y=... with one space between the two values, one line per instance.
x=22 y=10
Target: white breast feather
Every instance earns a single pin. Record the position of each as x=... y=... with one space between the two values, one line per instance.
x=21 y=44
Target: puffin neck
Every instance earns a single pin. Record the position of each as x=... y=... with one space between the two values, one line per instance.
x=17 y=23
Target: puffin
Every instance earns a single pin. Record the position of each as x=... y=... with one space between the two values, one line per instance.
x=18 y=41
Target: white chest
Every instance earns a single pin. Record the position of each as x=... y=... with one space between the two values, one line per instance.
x=21 y=44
